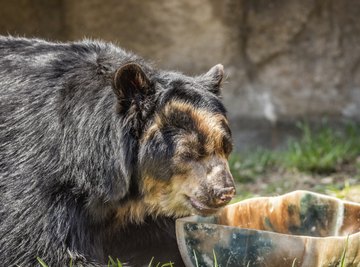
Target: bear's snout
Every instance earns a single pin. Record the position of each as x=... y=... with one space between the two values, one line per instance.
x=215 y=191
x=222 y=196
x=219 y=182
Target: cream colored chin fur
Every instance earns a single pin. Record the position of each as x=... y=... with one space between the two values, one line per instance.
x=136 y=211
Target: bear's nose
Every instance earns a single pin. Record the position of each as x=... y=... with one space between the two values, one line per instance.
x=222 y=196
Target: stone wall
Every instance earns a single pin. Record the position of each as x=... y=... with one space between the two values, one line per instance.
x=285 y=59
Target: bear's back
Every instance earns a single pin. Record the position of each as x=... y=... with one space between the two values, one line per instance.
x=32 y=64
x=48 y=91
x=57 y=120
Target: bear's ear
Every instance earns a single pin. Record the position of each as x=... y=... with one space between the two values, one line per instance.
x=213 y=78
x=130 y=83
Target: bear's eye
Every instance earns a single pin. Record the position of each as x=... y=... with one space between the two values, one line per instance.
x=192 y=155
x=186 y=156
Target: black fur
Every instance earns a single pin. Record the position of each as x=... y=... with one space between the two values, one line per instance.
x=69 y=148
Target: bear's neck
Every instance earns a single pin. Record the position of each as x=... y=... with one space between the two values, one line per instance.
x=133 y=211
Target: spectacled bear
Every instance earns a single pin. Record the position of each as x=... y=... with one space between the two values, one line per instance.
x=100 y=152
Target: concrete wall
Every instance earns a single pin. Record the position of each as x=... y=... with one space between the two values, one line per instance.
x=285 y=59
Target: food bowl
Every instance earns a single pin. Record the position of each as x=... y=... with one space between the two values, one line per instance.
x=300 y=228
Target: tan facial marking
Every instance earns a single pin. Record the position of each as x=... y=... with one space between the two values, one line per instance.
x=167 y=197
x=159 y=198
x=208 y=124
x=157 y=124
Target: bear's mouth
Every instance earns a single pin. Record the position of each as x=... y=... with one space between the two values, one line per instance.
x=202 y=208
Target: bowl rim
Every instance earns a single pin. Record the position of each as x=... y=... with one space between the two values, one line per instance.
x=194 y=218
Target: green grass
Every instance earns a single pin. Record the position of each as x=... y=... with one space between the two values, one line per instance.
x=43 y=264
x=215 y=259
x=115 y=263
x=197 y=262
x=322 y=151
x=306 y=162
x=246 y=167
x=343 y=255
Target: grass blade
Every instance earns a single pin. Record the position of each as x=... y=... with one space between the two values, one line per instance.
x=215 y=260
x=42 y=263
x=196 y=260
x=111 y=262
x=118 y=263
x=150 y=263
x=342 y=261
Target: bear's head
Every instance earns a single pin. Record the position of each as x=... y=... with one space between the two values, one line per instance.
x=184 y=140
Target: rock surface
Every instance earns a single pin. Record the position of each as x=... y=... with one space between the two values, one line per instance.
x=285 y=59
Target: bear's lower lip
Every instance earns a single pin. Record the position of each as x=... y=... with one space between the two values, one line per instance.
x=202 y=208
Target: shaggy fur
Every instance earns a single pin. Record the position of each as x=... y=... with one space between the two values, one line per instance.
x=77 y=155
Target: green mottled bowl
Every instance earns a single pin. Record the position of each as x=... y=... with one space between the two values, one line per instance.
x=297 y=229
